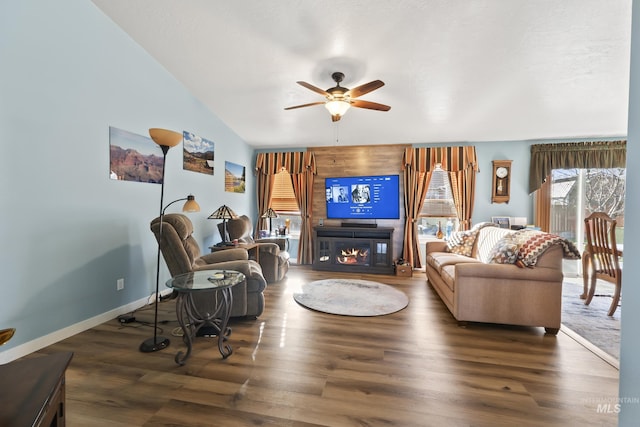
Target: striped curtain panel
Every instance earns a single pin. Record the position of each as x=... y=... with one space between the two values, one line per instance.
x=462 y=165
x=302 y=167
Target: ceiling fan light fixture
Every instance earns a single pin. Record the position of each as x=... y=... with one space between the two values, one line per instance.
x=339 y=99
x=337 y=108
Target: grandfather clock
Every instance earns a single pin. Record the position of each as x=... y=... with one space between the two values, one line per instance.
x=501 y=185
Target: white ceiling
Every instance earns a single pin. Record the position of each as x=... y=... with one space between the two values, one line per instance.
x=454 y=71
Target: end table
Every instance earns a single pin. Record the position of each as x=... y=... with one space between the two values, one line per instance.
x=204 y=300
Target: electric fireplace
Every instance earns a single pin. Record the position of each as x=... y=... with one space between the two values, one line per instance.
x=363 y=250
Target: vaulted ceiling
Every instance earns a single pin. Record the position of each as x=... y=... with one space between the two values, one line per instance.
x=454 y=71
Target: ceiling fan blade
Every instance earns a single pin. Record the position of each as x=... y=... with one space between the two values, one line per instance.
x=305 y=105
x=313 y=88
x=370 y=105
x=365 y=88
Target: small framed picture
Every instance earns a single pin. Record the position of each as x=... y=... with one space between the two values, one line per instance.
x=502 y=221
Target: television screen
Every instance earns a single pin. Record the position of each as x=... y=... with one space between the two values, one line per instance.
x=363 y=197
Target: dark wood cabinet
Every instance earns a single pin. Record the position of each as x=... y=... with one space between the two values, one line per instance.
x=32 y=391
x=354 y=249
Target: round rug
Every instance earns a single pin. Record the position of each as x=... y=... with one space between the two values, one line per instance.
x=351 y=297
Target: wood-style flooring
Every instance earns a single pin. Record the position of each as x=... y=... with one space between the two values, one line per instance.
x=297 y=367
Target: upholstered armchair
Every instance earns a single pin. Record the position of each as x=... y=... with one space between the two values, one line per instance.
x=273 y=258
x=182 y=255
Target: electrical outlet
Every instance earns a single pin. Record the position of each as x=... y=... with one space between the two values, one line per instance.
x=120 y=284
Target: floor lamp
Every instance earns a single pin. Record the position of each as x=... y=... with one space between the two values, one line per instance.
x=224 y=213
x=165 y=139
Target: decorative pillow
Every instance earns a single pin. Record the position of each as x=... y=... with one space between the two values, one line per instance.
x=461 y=242
x=505 y=251
x=487 y=238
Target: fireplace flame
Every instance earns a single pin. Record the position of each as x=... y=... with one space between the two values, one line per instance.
x=353 y=256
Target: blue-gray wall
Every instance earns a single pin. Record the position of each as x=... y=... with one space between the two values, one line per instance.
x=68 y=232
x=520 y=203
x=630 y=317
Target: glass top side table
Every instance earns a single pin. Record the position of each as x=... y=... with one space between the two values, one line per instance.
x=204 y=300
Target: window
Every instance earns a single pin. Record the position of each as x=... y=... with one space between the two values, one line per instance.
x=283 y=201
x=438 y=206
x=439 y=199
x=576 y=194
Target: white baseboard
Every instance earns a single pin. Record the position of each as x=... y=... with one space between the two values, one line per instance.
x=592 y=348
x=59 y=335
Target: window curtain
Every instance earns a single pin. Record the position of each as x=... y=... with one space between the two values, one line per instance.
x=417 y=164
x=543 y=206
x=301 y=166
x=580 y=155
x=264 y=192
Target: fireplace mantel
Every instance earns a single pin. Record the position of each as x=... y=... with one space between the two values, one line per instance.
x=354 y=249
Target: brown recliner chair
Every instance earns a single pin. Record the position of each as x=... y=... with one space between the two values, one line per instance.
x=182 y=255
x=273 y=257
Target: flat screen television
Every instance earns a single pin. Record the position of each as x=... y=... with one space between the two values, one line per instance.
x=363 y=197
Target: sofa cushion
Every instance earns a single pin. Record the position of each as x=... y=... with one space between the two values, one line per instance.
x=461 y=242
x=437 y=260
x=448 y=275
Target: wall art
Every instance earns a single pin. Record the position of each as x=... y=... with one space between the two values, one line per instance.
x=234 y=177
x=197 y=154
x=134 y=157
x=502 y=221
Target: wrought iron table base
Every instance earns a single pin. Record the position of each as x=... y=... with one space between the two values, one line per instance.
x=212 y=309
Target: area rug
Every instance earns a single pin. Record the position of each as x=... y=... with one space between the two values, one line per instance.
x=351 y=297
x=591 y=321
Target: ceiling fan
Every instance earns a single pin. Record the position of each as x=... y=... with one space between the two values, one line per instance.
x=339 y=98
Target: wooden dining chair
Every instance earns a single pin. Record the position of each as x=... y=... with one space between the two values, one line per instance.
x=601 y=258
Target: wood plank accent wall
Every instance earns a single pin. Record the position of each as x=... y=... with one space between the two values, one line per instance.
x=358 y=160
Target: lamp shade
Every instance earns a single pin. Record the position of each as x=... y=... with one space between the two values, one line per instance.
x=223 y=212
x=164 y=137
x=6 y=334
x=191 y=205
x=337 y=108
x=270 y=213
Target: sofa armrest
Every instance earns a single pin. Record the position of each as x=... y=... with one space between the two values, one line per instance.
x=269 y=247
x=242 y=266
x=436 y=246
x=224 y=255
x=282 y=243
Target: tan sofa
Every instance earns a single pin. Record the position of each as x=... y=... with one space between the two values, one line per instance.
x=475 y=289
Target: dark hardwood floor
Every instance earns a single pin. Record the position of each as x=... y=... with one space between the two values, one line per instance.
x=296 y=367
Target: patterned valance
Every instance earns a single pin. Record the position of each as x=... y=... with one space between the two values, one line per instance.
x=580 y=155
x=452 y=159
x=294 y=162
